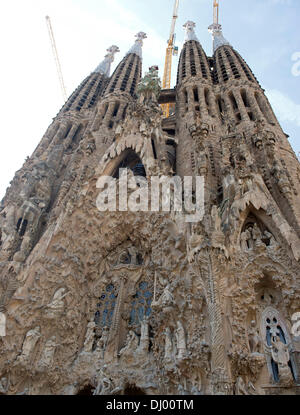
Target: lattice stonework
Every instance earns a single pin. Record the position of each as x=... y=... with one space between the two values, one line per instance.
x=106 y=306
x=141 y=304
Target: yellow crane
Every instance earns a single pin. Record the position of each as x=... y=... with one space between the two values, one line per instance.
x=171 y=50
x=216 y=12
x=56 y=58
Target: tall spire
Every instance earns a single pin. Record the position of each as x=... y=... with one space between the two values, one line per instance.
x=189 y=31
x=137 y=47
x=104 y=66
x=216 y=29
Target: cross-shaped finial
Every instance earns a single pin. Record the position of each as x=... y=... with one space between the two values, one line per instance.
x=140 y=36
x=112 y=51
x=189 y=25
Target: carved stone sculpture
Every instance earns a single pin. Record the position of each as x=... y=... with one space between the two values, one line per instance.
x=254 y=338
x=102 y=342
x=48 y=353
x=89 y=337
x=180 y=341
x=144 y=339
x=29 y=343
x=168 y=345
x=281 y=356
x=57 y=305
x=2 y=325
x=132 y=342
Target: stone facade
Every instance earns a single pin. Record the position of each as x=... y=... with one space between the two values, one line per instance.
x=143 y=302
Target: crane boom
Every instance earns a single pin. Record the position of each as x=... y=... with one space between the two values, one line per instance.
x=56 y=58
x=216 y=12
x=166 y=84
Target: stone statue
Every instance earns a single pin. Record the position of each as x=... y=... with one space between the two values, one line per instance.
x=144 y=340
x=254 y=338
x=281 y=356
x=256 y=235
x=3 y=386
x=180 y=341
x=131 y=346
x=168 y=345
x=268 y=236
x=102 y=342
x=166 y=299
x=245 y=238
x=240 y=387
x=57 y=304
x=48 y=353
x=30 y=341
x=105 y=385
x=89 y=337
x=2 y=325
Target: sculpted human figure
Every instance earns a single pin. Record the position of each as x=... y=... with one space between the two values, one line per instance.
x=101 y=345
x=166 y=299
x=3 y=385
x=89 y=337
x=254 y=338
x=281 y=355
x=180 y=340
x=270 y=237
x=168 y=345
x=57 y=304
x=48 y=353
x=144 y=340
x=29 y=343
x=2 y=325
x=245 y=238
x=240 y=387
x=131 y=344
x=256 y=235
x=105 y=385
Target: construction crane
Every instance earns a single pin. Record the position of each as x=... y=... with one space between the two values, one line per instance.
x=216 y=12
x=171 y=50
x=56 y=58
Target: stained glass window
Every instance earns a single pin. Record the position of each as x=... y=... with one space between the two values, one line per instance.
x=141 y=304
x=106 y=306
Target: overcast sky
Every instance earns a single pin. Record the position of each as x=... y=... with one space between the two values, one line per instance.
x=265 y=32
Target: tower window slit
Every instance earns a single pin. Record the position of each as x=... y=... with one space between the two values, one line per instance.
x=192 y=61
x=251 y=116
x=154 y=149
x=68 y=130
x=184 y=63
x=136 y=75
x=223 y=69
x=233 y=101
x=116 y=109
x=22 y=226
x=220 y=106
x=245 y=98
x=232 y=64
x=105 y=110
x=196 y=95
x=262 y=105
x=186 y=96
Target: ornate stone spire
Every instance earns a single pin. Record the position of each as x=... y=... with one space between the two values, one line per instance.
x=105 y=65
x=218 y=38
x=137 y=47
x=189 y=31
